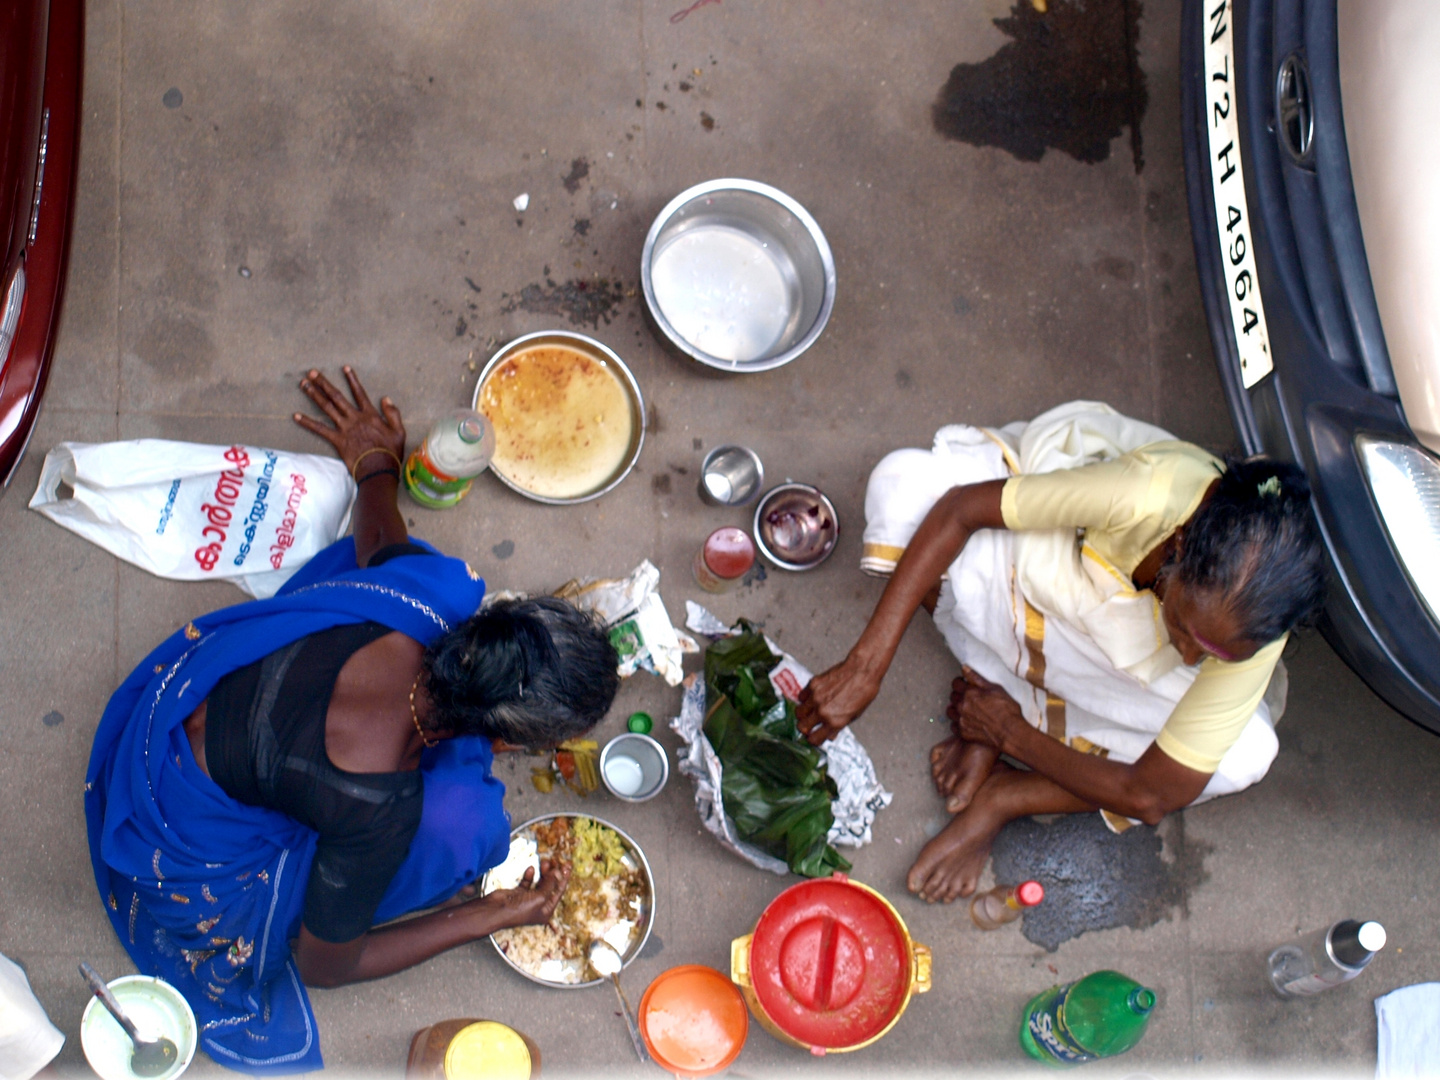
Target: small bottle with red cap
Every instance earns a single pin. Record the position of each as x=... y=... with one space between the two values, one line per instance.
x=1004 y=903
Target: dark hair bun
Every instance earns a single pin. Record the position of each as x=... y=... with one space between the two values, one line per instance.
x=1255 y=541
x=533 y=672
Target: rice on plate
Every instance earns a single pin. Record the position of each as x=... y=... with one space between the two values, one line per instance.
x=607 y=898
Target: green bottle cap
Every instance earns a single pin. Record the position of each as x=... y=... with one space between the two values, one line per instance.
x=640 y=723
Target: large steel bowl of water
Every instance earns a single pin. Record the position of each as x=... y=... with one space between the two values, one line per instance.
x=738 y=275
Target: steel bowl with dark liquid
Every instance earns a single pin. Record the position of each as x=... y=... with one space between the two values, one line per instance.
x=796 y=526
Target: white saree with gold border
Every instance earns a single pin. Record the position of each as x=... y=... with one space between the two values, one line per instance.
x=1084 y=653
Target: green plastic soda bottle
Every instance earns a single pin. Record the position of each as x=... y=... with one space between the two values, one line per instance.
x=1101 y=1015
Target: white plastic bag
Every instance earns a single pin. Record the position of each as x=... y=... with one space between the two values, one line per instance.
x=28 y=1040
x=197 y=513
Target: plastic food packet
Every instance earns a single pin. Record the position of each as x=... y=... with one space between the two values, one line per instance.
x=761 y=790
x=635 y=616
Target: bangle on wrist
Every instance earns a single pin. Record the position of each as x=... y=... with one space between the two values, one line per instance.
x=355 y=467
x=395 y=473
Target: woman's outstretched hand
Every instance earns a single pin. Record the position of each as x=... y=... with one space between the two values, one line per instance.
x=532 y=902
x=981 y=712
x=359 y=428
x=834 y=698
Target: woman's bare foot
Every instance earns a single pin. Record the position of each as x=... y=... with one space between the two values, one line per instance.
x=950 y=865
x=959 y=768
x=945 y=763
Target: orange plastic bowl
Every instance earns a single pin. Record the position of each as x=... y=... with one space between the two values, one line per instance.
x=693 y=1020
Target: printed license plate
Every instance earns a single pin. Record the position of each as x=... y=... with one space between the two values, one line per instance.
x=1227 y=178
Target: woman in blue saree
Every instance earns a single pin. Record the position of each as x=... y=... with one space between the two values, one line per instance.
x=279 y=778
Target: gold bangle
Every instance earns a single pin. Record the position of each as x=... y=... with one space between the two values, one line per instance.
x=354 y=469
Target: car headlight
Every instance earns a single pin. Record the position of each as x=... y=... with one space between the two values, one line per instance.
x=1405 y=481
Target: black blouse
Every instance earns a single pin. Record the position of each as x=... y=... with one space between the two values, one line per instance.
x=265 y=746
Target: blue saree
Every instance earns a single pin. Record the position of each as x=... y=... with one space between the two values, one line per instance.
x=206 y=892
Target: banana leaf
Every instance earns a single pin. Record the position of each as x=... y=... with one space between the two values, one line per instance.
x=773 y=783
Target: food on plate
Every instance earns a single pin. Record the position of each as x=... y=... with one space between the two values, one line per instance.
x=562 y=417
x=605 y=899
x=523 y=856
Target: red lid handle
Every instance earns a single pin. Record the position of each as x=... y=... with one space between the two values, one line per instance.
x=1029 y=893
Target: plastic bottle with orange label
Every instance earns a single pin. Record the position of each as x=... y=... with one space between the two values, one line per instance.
x=458 y=448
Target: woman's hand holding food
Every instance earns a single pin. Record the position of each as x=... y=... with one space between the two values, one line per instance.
x=360 y=430
x=982 y=712
x=532 y=902
x=836 y=697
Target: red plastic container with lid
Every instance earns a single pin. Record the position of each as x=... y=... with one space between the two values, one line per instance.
x=830 y=966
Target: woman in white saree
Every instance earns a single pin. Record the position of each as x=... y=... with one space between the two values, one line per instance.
x=1119 y=601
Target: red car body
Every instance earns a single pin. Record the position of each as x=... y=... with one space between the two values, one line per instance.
x=41 y=60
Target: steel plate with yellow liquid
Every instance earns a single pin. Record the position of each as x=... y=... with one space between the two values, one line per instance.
x=568 y=416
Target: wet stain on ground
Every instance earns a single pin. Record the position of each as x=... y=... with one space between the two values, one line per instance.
x=661 y=484
x=1068 y=79
x=1095 y=879
x=1116 y=267
x=579 y=169
x=582 y=226
x=707 y=121
x=581 y=300
x=504 y=549
x=52 y=719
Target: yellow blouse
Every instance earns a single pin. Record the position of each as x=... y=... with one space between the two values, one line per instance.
x=1127 y=507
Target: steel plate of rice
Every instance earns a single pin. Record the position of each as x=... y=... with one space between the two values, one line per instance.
x=607 y=898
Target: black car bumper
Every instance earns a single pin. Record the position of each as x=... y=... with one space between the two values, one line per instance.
x=1329 y=382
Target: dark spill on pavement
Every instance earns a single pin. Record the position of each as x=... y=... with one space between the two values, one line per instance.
x=583 y=301
x=1068 y=79
x=1094 y=879
x=579 y=170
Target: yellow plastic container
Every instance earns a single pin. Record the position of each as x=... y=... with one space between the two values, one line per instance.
x=838 y=957
x=472 y=1050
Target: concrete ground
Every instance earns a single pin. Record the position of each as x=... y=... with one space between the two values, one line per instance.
x=270 y=186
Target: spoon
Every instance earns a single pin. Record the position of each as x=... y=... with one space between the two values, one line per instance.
x=152 y=1057
x=607 y=963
